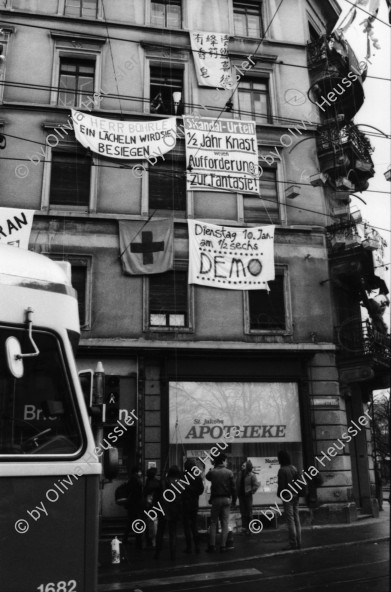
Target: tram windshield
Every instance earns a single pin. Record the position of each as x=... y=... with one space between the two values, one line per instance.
x=37 y=411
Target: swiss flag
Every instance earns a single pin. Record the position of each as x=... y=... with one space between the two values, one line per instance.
x=146 y=247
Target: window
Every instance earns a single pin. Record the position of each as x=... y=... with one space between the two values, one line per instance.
x=265 y=208
x=164 y=82
x=168 y=299
x=70 y=178
x=79 y=282
x=37 y=413
x=167 y=185
x=85 y=8
x=253 y=420
x=267 y=311
x=314 y=35
x=80 y=277
x=248 y=19
x=254 y=100
x=166 y=13
x=76 y=82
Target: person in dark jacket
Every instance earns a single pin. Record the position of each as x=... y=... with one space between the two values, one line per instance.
x=190 y=497
x=286 y=475
x=223 y=494
x=171 y=502
x=135 y=505
x=246 y=485
x=150 y=495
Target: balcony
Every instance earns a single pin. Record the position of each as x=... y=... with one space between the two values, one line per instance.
x=351 y=263
x=363 y=353
x=330 y=60
x=345 y=154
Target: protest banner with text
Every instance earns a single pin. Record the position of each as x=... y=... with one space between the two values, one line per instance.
x=131 y=140
x=229 y=257
x=221 y=155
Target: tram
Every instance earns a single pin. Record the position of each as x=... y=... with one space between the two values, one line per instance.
x=49 y=474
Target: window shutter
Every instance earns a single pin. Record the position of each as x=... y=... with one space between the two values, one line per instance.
x=167 y=186
x=264 y=209
x=168 y=293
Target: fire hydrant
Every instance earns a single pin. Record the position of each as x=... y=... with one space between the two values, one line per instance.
x=115 y=554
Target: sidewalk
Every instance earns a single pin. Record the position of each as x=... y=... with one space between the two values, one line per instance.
x=268 y=543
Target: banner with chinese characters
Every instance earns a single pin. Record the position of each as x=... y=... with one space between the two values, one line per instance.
x=211 y=61
x=131 y=140
x=231 y=258
x=221 y=155
x=15 y=227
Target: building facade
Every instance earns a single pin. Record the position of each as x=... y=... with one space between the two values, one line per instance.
x=293 y=367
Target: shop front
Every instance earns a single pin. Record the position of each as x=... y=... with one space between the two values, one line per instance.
x=246 y=420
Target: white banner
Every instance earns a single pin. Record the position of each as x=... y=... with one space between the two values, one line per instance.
x=129 y=140
x=15 y=227
x=207 y=412
x=231 y=258
x=221 y=155
x=211 y=61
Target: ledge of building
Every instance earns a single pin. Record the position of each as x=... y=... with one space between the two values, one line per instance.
x=90 y=343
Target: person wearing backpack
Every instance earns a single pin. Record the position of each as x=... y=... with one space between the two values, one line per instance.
x=286 y=475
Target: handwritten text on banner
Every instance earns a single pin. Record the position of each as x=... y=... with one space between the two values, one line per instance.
x=231 y=258
x=212 y=64
x=221 y=155
x=125 y=139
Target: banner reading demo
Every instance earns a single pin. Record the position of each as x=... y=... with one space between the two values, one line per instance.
x=229 y=257
x=125 y=139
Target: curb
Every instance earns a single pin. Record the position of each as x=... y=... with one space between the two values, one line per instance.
x=176 y=567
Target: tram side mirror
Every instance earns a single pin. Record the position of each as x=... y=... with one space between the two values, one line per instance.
x=13 y=353
x=111 y=463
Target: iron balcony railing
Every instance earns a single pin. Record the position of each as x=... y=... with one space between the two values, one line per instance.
x=360 y=339
x=331 y=53
x=335 y=138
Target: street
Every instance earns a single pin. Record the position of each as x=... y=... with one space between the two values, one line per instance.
x=351 y=566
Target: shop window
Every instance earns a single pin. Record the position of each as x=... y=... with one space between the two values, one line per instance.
x=168 y=300
x=166 y=13
x=70 y=179
x=83 y=8
x=76 y=82
x=267 y=310
x=264 y=209
x=248 y=19
x=81 y=282
x=167 y=186
x=254 y=100
x=164 y=83
x=251 y=420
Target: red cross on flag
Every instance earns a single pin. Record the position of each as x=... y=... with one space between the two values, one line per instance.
x=146 y=247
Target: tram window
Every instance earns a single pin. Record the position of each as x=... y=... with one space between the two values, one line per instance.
x=37 y=411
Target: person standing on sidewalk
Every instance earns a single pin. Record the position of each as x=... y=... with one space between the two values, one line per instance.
x=190 y=497
x=150 y=494
x=172 y=512
x=286 y=475
x=134 y=505
x=223 y=494
x=246 y=485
